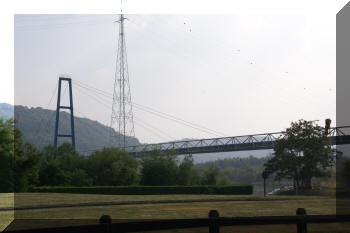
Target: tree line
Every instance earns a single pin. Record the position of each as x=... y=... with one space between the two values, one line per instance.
x=301 y=155
x=24 y=166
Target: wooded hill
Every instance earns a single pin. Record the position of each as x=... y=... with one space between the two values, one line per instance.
x=37 y=126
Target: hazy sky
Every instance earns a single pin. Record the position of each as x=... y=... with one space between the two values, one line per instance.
x=236 y=74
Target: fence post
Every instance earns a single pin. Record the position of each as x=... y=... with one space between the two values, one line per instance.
x=214 y=225
x=106 y=221
x=301 y=225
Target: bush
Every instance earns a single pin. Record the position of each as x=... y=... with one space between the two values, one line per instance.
x=148 y=190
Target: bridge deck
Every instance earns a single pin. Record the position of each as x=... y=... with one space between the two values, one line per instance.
x=238 y=143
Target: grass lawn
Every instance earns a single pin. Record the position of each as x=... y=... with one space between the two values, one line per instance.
x=185 y=210
x=247 y=205
x=37 y=199
x=6 y=200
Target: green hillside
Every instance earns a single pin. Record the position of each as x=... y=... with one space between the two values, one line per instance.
x=37 y=126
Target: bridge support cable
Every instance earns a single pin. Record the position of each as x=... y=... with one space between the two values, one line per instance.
x=150 y=130
x=158 y=113
x=37 y=134
x=138 y=121
x=101 y=101
x=50 y=122
x=155 y=128
x=213 y=132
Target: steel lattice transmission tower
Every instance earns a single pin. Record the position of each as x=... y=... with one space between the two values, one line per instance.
x=122 y=115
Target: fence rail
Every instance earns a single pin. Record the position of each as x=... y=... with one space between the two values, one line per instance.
x=213 y=222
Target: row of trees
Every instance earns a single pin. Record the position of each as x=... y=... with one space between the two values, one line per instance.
x=22 y=166
x=160 y=169
x=300 y=155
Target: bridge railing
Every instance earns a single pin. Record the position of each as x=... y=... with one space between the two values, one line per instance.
x=245 y=142
x=269 y=137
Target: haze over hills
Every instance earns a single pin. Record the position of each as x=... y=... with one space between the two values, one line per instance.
x=201 y=158
x=37 y=126
x=6 y=111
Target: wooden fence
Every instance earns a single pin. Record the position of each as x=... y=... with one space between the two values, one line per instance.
x=213 y=222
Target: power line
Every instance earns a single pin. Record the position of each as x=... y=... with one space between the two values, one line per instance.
x=23 y=24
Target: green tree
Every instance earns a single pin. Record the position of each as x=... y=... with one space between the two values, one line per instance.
x=26 y=159
x=33 y=155
x=224 y=180
x=112 y=166
x=211 y=176
x=73 y=165
x=158 y=168
x=188 y=174
x=51 y=174
x=6 y=155
x=300 y=155
x=63 y=166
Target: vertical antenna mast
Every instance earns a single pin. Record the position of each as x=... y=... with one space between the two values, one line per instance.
x=122 y=115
